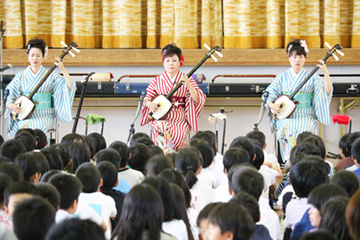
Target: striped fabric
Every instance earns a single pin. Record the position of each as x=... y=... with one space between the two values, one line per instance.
x=178 y=122
x=23 y=83
x=303 y=119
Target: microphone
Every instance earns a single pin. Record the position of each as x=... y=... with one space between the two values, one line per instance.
x=265 y=96
x=6 y=94
x=6 y=68
x=222 y=110
x=142 y=97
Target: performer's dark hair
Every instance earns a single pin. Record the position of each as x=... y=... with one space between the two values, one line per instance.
x=295 y=47
x=89 y=176
x=157 y=164
x=40 y=138
x=109 y=155
x=49 y=193
x=53 y=157
x=347 y=179
x=171 y=50
x=74 y=229
x=123 y=150
x=27 y=139
x=188 y=163
x=36 y=43
x=235 y=156
x=249 y=202
x=258 y=135
x=109 y=175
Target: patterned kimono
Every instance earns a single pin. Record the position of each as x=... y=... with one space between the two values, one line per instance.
x=170 y=132
x=313 y=104
x=53 y=100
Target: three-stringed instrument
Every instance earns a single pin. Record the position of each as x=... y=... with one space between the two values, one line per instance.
x=163 y=102
x=26 y=102
x=286 y=103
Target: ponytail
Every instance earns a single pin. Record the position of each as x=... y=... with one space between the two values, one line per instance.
x=190 y=178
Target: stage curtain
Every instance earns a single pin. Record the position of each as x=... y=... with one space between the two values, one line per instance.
x=188 y=23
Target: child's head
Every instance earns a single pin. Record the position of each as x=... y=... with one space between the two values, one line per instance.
x=188 y=163
x=351 y=139
x=27 y=139
x=74 y=229
x=202 y=219
x=353 y=215
x=99 y=140
x=319 y=234
x=49 y=193
x=355 y=151
x=307 y=148
x=123 y=150
x=5 y=181
x=90 y=177
x=109 y=175
x=109 y=155
x=13 y=170
x=245 y=143
x=343 y=146
x=302 y=136
x=317 y=198
x=137 y=136
x=144 y=140
x=308 y=174
x=69 y=188
x=207 y=152
x=79 y=153
x=250 y=203
x=230 y=221
x=208 y=136
x=91 y=143
x=155 y=150
x=157 y=164
x=318 y=142
x=246 y=179
x=63 y=150
x=11 y=148
x=48 y=175
x=30 y=165
x=70 y=138
x=15 y=193
x=258 y=135
x=40 y=138
x=139 y=156
x=235 y=156
x=32 y=218
x=346 y=179
x=259 y=158
x=53 y=157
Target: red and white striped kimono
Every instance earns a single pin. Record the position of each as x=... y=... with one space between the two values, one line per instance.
x=170 y=132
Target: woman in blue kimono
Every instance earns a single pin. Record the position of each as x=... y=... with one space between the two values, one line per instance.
x=54 y=98
x=313 y=98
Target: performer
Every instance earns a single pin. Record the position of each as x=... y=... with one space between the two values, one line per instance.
x=54 y=98
x=187 y=103
x=314 y=98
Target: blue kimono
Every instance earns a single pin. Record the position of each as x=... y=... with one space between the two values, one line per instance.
x=313 y=106
x=53 y=100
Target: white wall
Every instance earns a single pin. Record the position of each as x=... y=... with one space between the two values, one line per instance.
x=239 y=122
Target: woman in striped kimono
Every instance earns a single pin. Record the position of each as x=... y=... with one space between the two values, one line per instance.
x=54 y=98
x=170 y=132
x=313 y=98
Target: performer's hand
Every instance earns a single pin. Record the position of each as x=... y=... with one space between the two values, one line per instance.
x=14 y=107
x=59 y=63
x=152 y=106
x=323 y=67
x=275 y=107
x=186 y=81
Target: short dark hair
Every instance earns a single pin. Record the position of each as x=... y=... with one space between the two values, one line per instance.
x=89 y=176
x=346 y=179
x=32 y=218
x=308 y=149
x=123 y=150
x=235 y=156
x=308 y=174
x=91 y=144
x=258 y=135
x=79 y=153
x=5 y=181
x=157 y=164
x=11 y=148
x=109 y=155
x=320 y=194
x=205 y=212
x=99 y=140
x=302 y=136
x=139 y=156
x=318 y=235
x=355 y=150
x=53 y=157
x=49 y=193
x=208 y=136
x=69 y=188
x=27 y=139
x=245 y=143
x=136 y=136
x=343 y=144
x=155 y=150
x=13 y=170
x=144 y=140
x=259 y=158
x=29 y=163
x=40 y=138
x=70 y=138
x=247 y=179
x=19 y=187
x=234 y=218
x=250 y=203
x=318 y=142
x=351 y=139
x=46 y=177
x=74 y=229
x=109 y=175
x=206 y=150
x=63 y=150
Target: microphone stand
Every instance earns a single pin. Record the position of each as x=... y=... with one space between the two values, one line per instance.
x=2 y=33
x=261 y=114
x=132 y=125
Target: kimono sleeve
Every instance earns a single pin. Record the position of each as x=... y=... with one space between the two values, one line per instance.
x=63 y=98
x=321 y=101
x=193 y=110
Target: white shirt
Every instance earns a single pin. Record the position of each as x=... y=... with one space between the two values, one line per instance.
x=222 y=193
x=102 y=204
x=269 y=219
x=201 y=195
x=62 y=215
x=132 y=176
x=177 y=228
x=295 y=209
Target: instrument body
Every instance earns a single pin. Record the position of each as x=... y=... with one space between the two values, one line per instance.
x=286 y=103
x=26 y=102
x=163 y=102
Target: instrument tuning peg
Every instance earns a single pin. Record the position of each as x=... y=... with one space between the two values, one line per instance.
x=218 y=53
x=328 y=45
x=64 y=44
x=207 y=47
x=214 y=58
x=76 y=50
x=336 y=57
x=340 y=52
x=72 y=54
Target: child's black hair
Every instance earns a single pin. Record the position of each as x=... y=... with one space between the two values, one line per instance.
x=89 y=176
x=109 y=175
